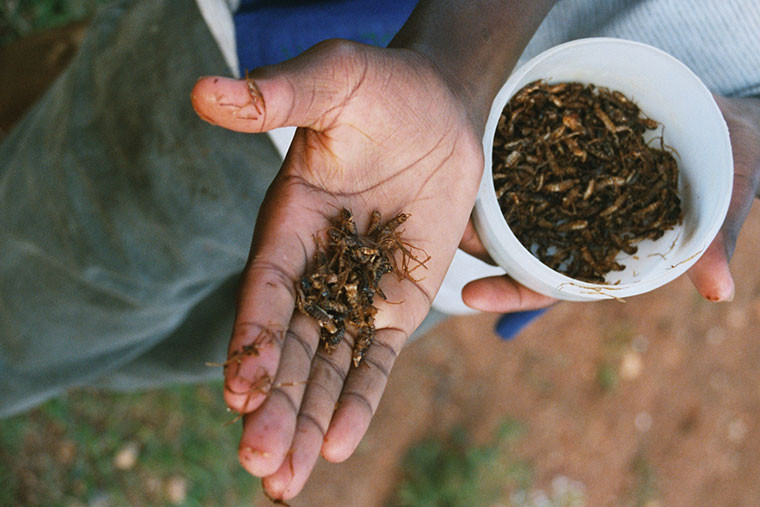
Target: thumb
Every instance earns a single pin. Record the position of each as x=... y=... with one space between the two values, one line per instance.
x=301 y=92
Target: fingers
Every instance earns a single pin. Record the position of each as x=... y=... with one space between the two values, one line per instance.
x=320 y=426
x=471 y=244
x=503 y=295
x=328 y=375
x=268 y=432
x=299 y=92
x=265 y=305
x=264 y=309
x=361 y=395
x=287 y=467
x=710 y=274
x=499 y=294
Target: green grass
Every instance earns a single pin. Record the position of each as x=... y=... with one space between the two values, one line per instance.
x=19 y=18
x=607 y=376
x=454 y=472
x=645 y=489
x=63 y=452
x=614 y=346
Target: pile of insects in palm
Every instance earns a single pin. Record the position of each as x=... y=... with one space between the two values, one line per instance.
x=339 y=288
x=576 y=180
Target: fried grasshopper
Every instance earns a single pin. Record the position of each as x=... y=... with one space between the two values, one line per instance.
x=576 y=180
x=339 y=288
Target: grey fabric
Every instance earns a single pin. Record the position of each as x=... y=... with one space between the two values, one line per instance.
x=718 y=40
x=125 y=220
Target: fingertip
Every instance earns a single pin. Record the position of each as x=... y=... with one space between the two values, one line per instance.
x=714 y=287
x=202 y=94
x=501 y=294
x=472 y=296
x=198 y=98
x=276 y=485
x=256 y=462
x=341 y=440
x=267 y=437
x=241 y=397
x=227 y=103
x=711 y=275
x=247 y=383
x=334 y=452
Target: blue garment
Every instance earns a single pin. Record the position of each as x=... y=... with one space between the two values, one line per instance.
x=270 y=31
x=510 y=324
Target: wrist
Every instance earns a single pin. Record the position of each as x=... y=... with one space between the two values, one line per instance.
x=473 y=44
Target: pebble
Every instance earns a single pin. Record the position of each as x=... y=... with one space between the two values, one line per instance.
x=737 y=430
x=643 y=422
x=176 y=489
x=127 y=456
x=715 y=335
x=67 y=451
x=631 y=365
x=100 y=500
x=640 y=343
x=736 y=318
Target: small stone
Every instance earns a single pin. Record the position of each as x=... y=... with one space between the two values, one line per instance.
x=715 y=335
x=153 y=486
x=100 y=500
x=67 y=451
x=126 y=458
x=736 y=318
x=643 y=422
x=631 y=365
x=737 y=430
x=176 y=489
x=640 y=343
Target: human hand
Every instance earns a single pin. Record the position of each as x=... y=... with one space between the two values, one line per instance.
x=381 y=129
x=710 y=275
x=499 y=294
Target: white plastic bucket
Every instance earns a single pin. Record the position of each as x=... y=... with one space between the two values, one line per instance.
x=666 y=91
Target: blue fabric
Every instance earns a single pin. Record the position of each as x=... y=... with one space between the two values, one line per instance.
x=269 y=31
x=512 y=323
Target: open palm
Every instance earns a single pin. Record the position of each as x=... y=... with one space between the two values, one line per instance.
x=381 y=130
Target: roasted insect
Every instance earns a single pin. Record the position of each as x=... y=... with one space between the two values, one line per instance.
x=339 y=289
x=575 y=179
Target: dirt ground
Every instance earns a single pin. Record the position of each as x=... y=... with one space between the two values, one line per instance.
x=683 y=415
x=661 y=392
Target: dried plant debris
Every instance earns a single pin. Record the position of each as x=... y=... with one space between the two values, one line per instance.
x=341 y=284
x=575 y=179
